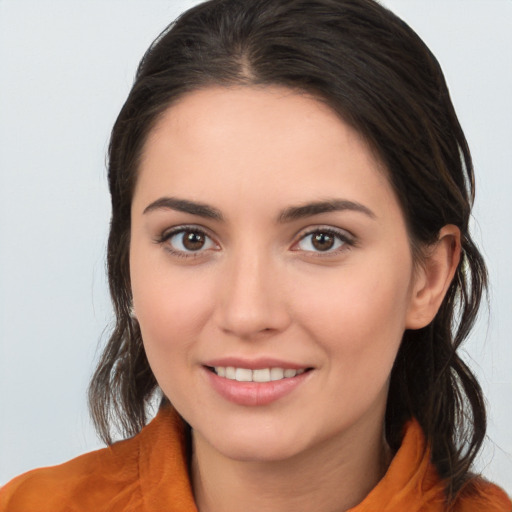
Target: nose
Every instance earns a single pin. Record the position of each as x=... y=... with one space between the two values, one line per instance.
x=253 y=300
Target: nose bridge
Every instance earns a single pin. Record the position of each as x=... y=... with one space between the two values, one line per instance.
x=252 y=299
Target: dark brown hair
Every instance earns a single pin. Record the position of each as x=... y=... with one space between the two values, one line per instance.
x=376 y=73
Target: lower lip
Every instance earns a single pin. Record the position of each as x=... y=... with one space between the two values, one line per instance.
x=254 y=393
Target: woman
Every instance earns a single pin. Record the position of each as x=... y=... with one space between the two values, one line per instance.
x=288 y=255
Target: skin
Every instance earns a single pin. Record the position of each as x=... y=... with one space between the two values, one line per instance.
x=258 y=287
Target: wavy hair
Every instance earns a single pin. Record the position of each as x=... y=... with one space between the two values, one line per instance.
x=375 y=72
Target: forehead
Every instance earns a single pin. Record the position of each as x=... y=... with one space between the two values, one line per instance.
x=248 y=142
x=268 y=114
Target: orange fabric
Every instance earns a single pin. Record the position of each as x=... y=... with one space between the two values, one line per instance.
x=148 y=473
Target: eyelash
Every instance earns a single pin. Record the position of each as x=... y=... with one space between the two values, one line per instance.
x=347 y=241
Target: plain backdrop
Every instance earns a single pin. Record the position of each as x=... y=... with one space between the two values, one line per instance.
x=65 y=69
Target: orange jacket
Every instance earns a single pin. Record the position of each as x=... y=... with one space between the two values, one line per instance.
x=148 y=473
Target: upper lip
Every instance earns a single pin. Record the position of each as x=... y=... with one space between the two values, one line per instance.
x=255 y=364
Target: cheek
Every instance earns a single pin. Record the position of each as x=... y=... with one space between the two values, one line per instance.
x=171 y=312
x=171 y=307
x=359 y=317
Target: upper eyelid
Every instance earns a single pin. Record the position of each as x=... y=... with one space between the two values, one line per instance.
x=302 y=232
x=344 y=233
x=166 y=233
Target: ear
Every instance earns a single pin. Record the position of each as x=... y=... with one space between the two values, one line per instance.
x=433 y=277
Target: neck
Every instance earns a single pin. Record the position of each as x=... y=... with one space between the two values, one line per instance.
x=332 y=477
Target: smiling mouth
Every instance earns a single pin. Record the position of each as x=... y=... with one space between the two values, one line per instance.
x=260 y=375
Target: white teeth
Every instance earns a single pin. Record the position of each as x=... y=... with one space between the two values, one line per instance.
x=260 y=375
x=276 y=374
x=243 y=375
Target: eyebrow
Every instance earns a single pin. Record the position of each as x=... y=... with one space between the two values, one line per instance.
x=185 y=206
x=316 y=208
x=289 y=214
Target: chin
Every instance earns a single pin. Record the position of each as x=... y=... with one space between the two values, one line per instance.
x=263 y=442
x=260 y=450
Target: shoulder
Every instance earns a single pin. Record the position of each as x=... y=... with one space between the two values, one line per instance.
x=135 y=474
x=479 y=495
x=108 y=477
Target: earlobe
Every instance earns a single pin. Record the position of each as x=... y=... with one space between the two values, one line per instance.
x=433 y=278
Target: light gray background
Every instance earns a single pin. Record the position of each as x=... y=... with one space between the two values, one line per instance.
x=65 y=69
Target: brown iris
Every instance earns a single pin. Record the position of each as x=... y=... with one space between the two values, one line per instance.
x=193 y=240
x=322 y=241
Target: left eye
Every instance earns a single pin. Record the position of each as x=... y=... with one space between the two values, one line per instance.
x=321 y=241
x=189 y=240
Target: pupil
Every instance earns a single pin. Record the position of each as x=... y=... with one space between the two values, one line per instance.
x=193 y=241
x=323 y=241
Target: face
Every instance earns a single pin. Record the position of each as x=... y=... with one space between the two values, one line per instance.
x=271 y=272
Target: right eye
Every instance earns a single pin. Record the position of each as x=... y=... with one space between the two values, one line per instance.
x=187 y=241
